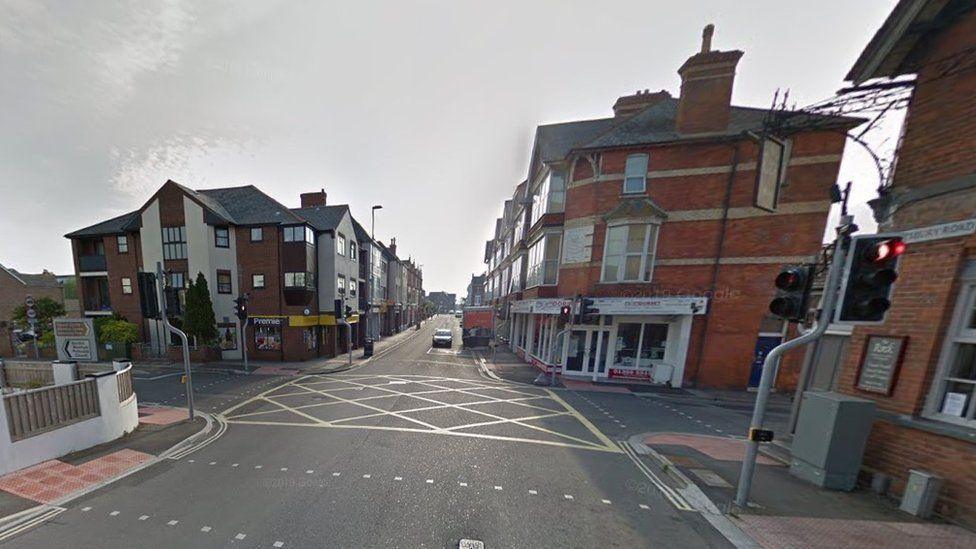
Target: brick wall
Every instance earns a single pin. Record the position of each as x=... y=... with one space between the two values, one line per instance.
x=13 y=293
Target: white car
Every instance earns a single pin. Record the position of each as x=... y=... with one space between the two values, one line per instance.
x=442 y=338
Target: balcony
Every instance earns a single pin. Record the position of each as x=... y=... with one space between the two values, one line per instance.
x=92 y=263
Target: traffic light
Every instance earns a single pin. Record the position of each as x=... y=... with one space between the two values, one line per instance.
x=587 y=309
x=793 y=291
x=566 y=312
x=872 y=267
x=148 y=298
x=240 y=307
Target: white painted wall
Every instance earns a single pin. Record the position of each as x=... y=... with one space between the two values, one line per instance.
x=116 y=419
x=151 y=242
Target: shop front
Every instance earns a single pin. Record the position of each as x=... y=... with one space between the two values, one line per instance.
x=632 y=340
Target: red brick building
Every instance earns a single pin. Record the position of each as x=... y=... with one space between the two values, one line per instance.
x=928 y=418
x=292 y=263
x=657 y=214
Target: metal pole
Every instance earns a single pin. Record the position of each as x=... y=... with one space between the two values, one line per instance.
x=244 y=343
x=182 y=336
x=771 y=362
x=348 y=338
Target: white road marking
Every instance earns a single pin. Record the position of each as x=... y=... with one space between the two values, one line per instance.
x=642 y=506
x=607 y=501
x=284 y=469
x=463 y=484
x=190 y=461
x=206 y=529
x=278 y=544
x=258 y=466
x=430 y=481
x=212 y=463
x=173 y=522
x=498 y=488
x=114 y=513
x=85 y=509
x=144 y=517
x=567 y=496
x=333 y=474
x=369 y=476
x=533 y=492
x=240 y=536
x=397 y=478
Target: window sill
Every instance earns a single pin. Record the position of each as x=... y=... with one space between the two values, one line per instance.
x=642 y=194
x=613 y=282
x=931 y=424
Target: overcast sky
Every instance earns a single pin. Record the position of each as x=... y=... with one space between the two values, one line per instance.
x=427 y=108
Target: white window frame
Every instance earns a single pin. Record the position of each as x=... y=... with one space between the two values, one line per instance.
x=639 y=173
x=341 y=284
x=955 y=335
x=649 y=249
x=122 y=241
x=126 y=285
x=341 y=244
x=254 y=281
x=259 y=233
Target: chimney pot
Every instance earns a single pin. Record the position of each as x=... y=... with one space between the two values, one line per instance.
x=706 y=88
x=707 y=33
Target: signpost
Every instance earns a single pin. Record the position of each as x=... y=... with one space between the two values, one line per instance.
x=74 y=339
x=182 y=335
x=31 y=313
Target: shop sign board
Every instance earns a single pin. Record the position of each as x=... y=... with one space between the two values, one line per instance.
x=267 y=321
x=651 y=305
x=630 y=373
x=544 y=306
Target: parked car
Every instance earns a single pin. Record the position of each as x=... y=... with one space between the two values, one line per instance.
x=443 y=338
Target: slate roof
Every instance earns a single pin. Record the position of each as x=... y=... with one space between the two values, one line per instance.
x=361 y=234
x=116 y=225
x=322 y=218
x=245 y=206
x=554 y=141
x=44 y=280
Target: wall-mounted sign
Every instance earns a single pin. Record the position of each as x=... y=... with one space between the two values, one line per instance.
x=936 y=232
x=74 y=339
x=267 y=321
x=651 y=305
x=880 y=362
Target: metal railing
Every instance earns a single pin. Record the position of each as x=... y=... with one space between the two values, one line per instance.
x=124 y=379
x=37 y=411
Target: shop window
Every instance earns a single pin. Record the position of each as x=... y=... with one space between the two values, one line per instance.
x=639 y=345
x=311 y=342
x=123 y=243
x=267 y=338
x=955 y=390
x=223 y=282
x=222 y=237
x=628 y=253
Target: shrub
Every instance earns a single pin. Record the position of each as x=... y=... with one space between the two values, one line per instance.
x=119 y=331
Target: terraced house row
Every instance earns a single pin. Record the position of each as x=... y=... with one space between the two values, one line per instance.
x=665 y=216
x=293 y=263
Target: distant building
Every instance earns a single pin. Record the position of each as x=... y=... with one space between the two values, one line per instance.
x=476 y=291
x=443 y=301
x=15 y=286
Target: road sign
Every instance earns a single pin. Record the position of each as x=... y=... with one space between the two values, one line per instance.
x=74 y=338
x=29 y=302
x=31 y=314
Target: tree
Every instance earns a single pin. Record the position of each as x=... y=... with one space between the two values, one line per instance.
x=47 y=309
x=199 y=321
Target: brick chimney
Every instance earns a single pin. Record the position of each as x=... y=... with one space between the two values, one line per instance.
x=310 y=200
x=706 y=88
x=393 y=246
x=633 y=104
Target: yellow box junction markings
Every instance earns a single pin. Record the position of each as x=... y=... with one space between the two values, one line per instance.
x=359 y=382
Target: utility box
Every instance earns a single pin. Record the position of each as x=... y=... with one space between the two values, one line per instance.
x=921 y=491
x=831 y=433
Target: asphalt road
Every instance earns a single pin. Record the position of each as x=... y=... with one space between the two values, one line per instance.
x=415 y=448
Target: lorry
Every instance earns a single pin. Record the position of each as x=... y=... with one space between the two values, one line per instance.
x=477 y=326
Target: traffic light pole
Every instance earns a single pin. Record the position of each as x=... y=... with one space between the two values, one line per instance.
x=771 y=362
x=182 y=336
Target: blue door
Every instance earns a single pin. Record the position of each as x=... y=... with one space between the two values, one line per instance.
x=764 y=343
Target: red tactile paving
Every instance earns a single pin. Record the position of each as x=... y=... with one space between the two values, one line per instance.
x=774 y=532
x=721 y=448
x=52 y=480
x=161 y=415
x=587 y=386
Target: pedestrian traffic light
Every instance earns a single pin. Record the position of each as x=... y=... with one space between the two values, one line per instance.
x=793 y=285
x=872 y=268
x=240 y=307
x=565 y=313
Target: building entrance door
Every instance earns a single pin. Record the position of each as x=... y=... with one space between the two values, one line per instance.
x=596 y=352
x=576 y=354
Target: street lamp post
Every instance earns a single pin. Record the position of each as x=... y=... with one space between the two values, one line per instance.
x=372 y=236
x=372 y=229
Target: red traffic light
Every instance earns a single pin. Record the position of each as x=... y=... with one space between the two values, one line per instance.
x=565 y=310
x=789 y=279
x=885 y=250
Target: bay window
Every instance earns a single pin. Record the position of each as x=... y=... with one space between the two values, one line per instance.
x=550 y=196
x=543 y=261
x=954 y=395
x=628 y=253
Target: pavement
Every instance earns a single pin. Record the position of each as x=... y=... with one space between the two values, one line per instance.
x=422 y=447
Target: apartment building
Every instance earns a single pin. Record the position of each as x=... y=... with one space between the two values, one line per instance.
x=476 y=291
x=293 y=263
x=663 y=215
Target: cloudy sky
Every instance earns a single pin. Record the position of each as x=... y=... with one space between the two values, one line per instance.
x=425 y=107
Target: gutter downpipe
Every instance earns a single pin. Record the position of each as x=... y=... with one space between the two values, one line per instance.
x=718 y=256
